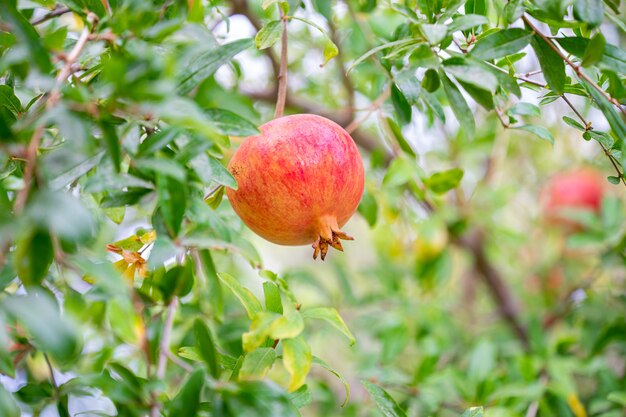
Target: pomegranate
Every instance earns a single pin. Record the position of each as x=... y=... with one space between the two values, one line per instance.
x=299 y=182
x=581 y=189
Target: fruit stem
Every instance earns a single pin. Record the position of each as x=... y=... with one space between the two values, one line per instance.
x=329 y=235
x=282 y=75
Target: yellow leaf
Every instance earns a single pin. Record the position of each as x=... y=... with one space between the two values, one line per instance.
x=576 y=406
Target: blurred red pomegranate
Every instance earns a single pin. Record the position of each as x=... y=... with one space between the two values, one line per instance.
x=299 y=181
x=581 y=189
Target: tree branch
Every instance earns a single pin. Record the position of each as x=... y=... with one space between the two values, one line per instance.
x=52 y=99
x=282 y=75
x=507 y=305
x=241 y=7
x=574 y=66
x=347 y=83
x=58 y=11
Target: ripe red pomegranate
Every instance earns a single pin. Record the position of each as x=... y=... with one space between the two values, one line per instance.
x=581 y=189
x=299 y=181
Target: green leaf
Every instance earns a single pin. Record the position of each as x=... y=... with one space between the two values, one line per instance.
x=248 y=300
x=524 y=109
x=434 y=33
x=257 y=363
x=8 y=406
x=473 y=412
x=513 y=10
x=551 y=64
x=207 y=62
x=399 y=137
x=216 y=296
x=465 y=22
x=369 y=208
x=573 y=123
x=539 y=131
x=187 y=401
x=210 y=169
x=269 y=34
x=612 y=116
x=459 y=106
x=273 y=302
x=259 y=330
x=161 y=166
x=288 y=326
x=172 y=202
x=402 y=42
x=206 y=347
x=480 y=95
x=330 y=50
x=386 y=404
x=73 y=222
x=613 y=179
x=297 y=360
x=10 y=100
x=401 y=105
x=594 y=50
x=48 y=330
x=332 y=317
x=301 y=397
x=32 y=257
x=346 y=386
x=469 y=73
x=613 y=58
x=26 y=35
x=229 y=123
x=442 y=182
x=176 y=282
x=589 y=11
x=430 y=82
x=157 y=141
x=501 y=43
x=113 y=143
x=400 y=171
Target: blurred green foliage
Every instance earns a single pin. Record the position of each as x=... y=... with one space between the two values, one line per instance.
x=130 y=288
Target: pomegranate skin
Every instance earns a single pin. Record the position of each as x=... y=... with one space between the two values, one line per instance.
x=579 y=189
x=299 y=181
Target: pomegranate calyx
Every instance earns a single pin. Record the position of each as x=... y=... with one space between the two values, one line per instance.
x=320 y=246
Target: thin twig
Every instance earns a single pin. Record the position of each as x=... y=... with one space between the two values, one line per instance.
x=164 y=345
x=503 y=121
x=178 y=361
x=569 y=62
x=376 y=104
x=58 y=11
x=53 y=380
x=620 y=175
x=282 y=75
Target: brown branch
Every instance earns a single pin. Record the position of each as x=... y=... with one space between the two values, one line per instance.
x=282 y=74
x=58 y=11
x=52 y=99
x=474 y=242
x=577 y=69
x=376 y=104
x=345 y=80
x=241 y=7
